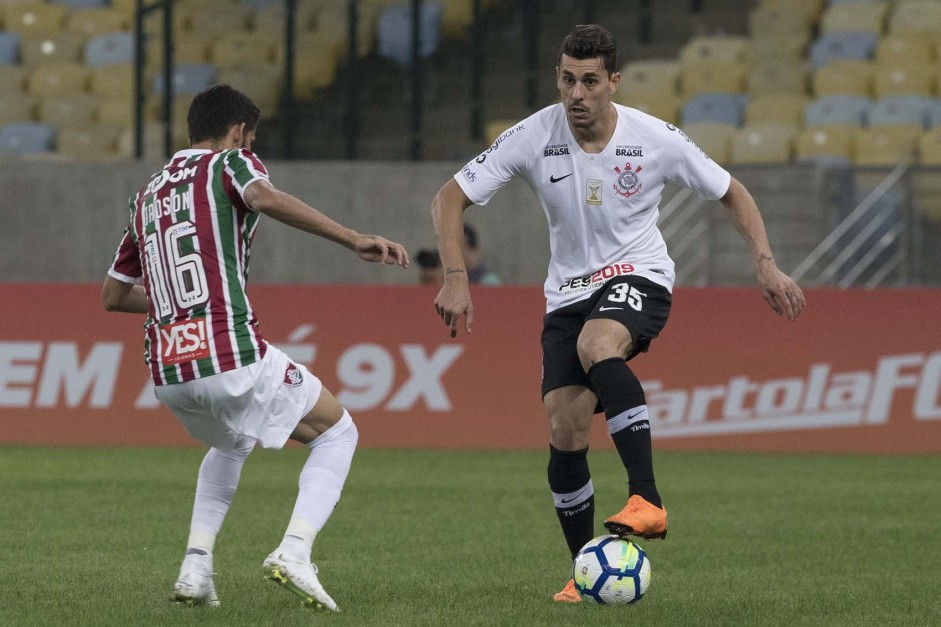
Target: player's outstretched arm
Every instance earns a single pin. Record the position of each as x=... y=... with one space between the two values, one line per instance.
x=120 y=296
x=447 y=215
x=283 y=207
x=781 y=292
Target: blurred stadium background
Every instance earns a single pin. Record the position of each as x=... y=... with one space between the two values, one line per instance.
x=828 y=110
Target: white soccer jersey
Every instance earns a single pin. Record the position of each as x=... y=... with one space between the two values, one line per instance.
x=602 y=208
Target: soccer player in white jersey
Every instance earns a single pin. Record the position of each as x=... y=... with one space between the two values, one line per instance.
x=598 y=170
x=183 y=261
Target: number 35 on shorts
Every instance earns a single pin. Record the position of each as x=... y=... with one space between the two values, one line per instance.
x=624 y=292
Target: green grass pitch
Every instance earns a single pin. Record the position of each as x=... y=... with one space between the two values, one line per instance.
x=94 y=536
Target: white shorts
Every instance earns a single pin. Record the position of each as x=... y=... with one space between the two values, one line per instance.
x=264 y=400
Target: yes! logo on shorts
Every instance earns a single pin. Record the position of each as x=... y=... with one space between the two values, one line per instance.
x=293 y=376
x=184 y=341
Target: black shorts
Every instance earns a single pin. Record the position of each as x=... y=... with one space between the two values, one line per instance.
x=642 y=306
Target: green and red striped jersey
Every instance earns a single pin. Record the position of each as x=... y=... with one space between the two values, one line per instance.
x=188 y=241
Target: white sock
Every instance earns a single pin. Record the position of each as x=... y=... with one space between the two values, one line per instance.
x=320 y=485
x=215 y=486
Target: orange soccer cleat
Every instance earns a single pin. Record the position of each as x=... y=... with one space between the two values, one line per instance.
x=568 y=594
x=639 y=518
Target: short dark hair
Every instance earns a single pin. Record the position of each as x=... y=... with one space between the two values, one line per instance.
x=587 y=41
x=427 y=258
x=470 y=236
x=216 y=109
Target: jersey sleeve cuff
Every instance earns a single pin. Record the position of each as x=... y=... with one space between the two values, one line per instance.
x=114 y=274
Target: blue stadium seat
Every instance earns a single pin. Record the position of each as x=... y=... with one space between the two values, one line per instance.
x=913 y=110
x=22 y=138
x=834 y=110
x=188 y=79
x=934 y=113
x=843 y=45
x=721 y=108
x=394 y=31
x=109 y=48
x=9 y=48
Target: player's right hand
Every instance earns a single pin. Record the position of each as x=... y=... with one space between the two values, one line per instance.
x=379 y=249
x=454 y=301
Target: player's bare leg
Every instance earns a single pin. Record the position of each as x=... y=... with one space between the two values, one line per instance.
x=328 y=431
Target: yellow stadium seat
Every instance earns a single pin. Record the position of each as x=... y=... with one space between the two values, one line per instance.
x=53 y=79
x=849 y=77
x=214 y=19
x=153 y=142
x=494 y=128
x=712 y=77
x=780 y=108
x=763 y=144
x=241 y=49
x=88 y=142
x=885 y=145
x=456 y=16
x=776 y=76
x=900 y=49
x=262 y=83
x=714 y=139
x=906 y=79
x=51 y=48
x=36 y=18
x=16 y=106
x=93 y=22
x=114 y=81
x=920 y=18
x=825 y=143
x=72 y=109
x=659 y=76
x=929 y=147
x=777 y=19
x=187 y=48
x=13 y=78
x=663 y=106
x=780 y=48
x=718 y=48
x=867 y=17
x=120 y=110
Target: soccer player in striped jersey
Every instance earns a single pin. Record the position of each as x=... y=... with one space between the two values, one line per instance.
x=183 y=261
x=598 y=170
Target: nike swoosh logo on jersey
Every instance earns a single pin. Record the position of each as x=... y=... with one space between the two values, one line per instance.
x=553 y=179
x=608 y=308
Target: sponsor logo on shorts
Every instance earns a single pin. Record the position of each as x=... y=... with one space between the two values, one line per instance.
x=593 y=281
x=184 y=341
x=293 y=376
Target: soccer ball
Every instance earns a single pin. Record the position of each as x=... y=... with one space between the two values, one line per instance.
x=610 y=569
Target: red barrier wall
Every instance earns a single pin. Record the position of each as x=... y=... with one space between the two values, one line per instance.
x=859 y=372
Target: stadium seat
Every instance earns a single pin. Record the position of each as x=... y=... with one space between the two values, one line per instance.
x=394 y=32
x=778 y=18
x=920 y=18
x=9 y=48
x=904 y=110
x=844 y=77
x=934 y=114
x=659 y=76
x=209 y=19
x=780 y=48
x=13 y=78
x=82 y=4
x=22 y=138
x=781 y=108
x=722 y=108
x=53 y=79
x=261 y=82
x=712 y=77
x=188 y=78
x=152 y=144
x=119 y=110
x=713 y=138
x=716 y=48
x=899 y=49
x=88 y=143
x=762 y=144
x=270 y=19
x=837 y=110
x=35 y=19
x=929 y=147
x=110 y=48
x=185 y=50
x=17 y=107
x=494 y=128
x=71 y=109
x=885 y=146
x=903 y=79
x=312 y=76
x=857 y=17
x=843 y=45
x=775 y=76
x=455 y=19
x=241 y=49
x=51 y=48
x=663 y=106
x=115 y=80
x=825 y=144
x=94 y=22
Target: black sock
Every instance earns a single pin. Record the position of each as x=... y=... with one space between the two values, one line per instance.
x=625 y=409
x=574 y=496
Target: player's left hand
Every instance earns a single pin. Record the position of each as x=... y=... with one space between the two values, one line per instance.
x=781 y=292
x=378 y=249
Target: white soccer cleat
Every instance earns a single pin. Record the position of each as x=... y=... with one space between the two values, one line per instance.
x=300 y=578
x=194 y=585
